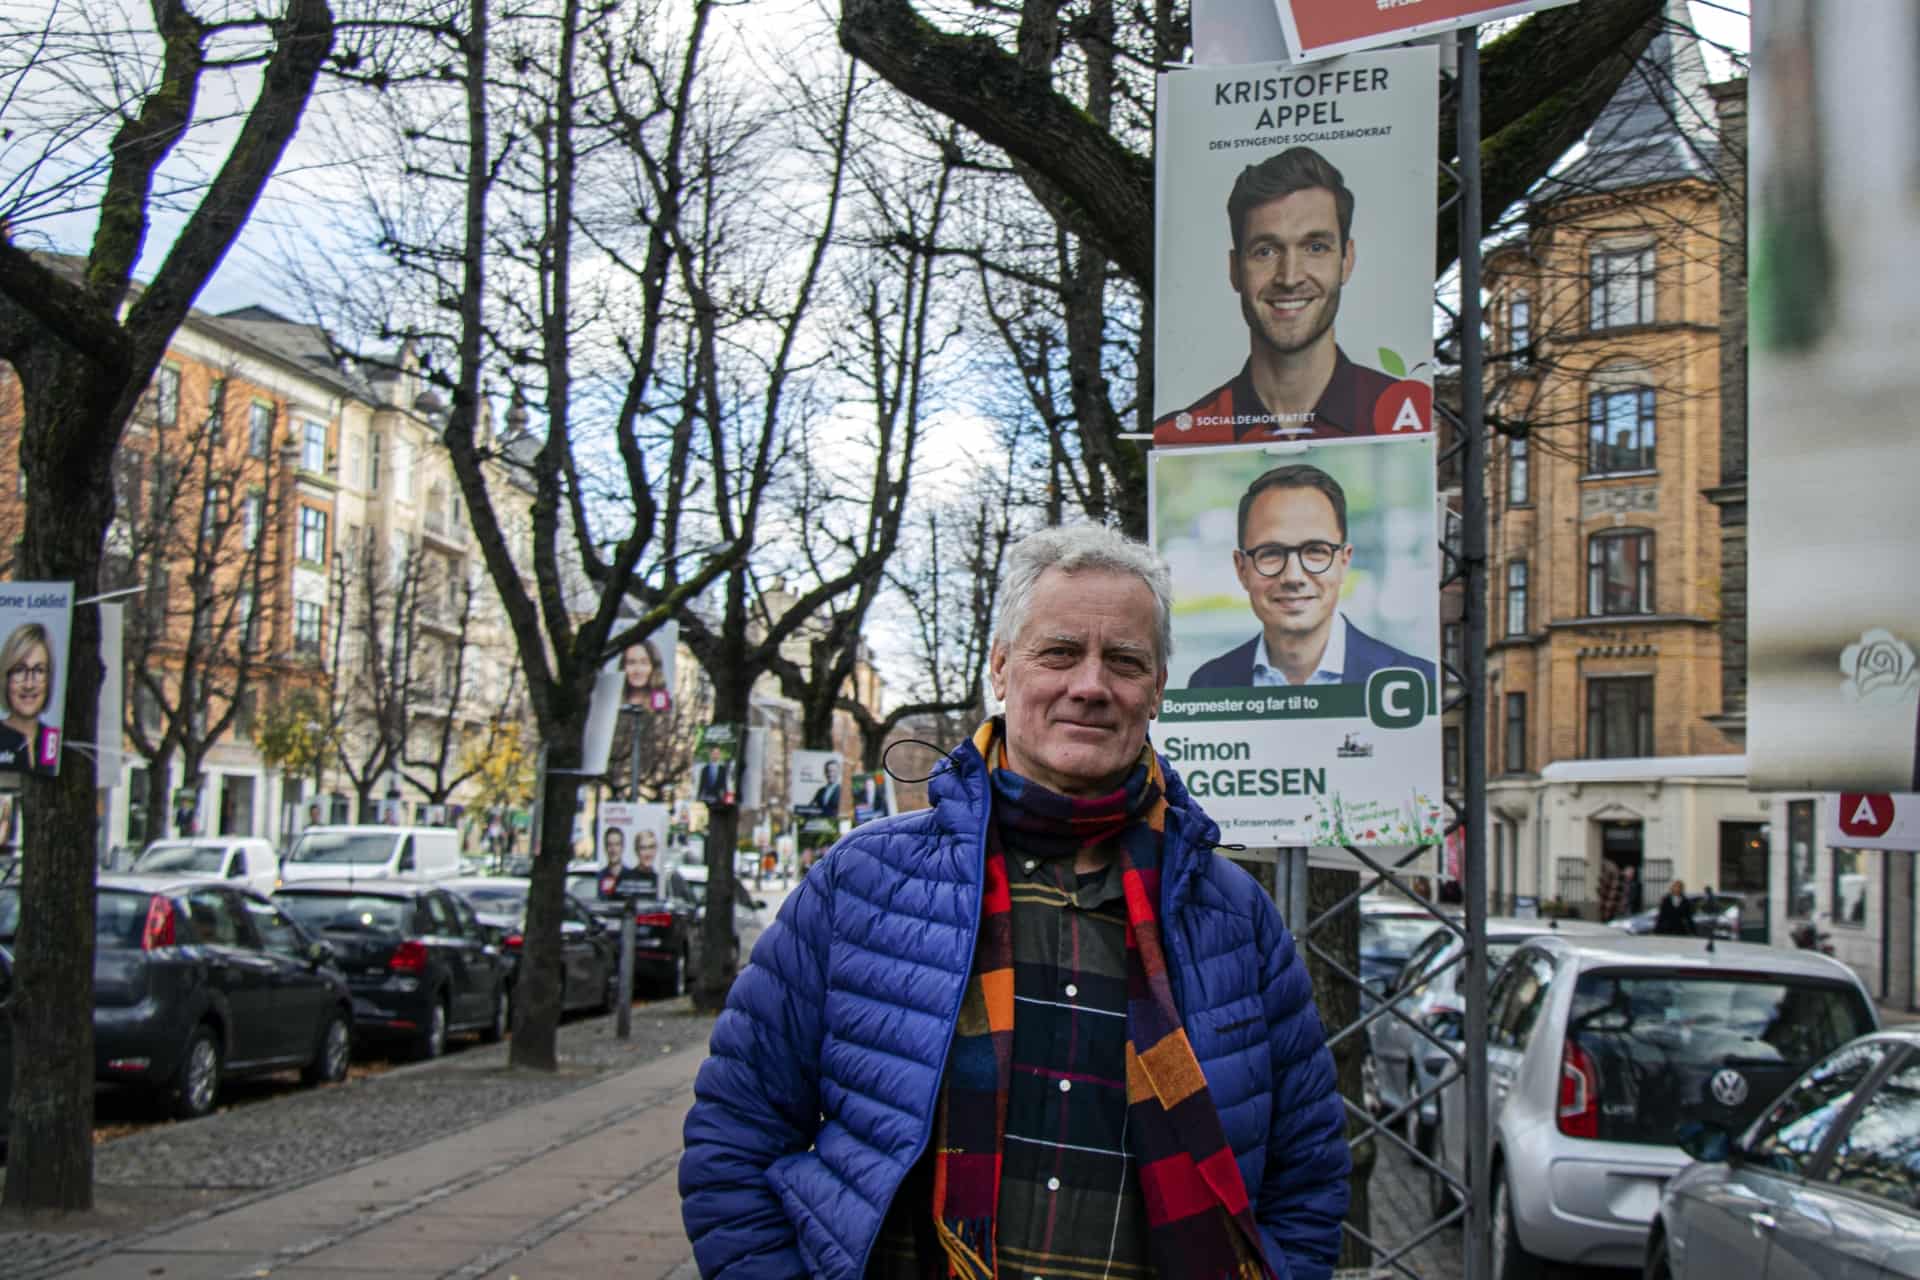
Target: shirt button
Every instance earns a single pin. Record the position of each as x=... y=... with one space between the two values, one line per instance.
x=1072 y=990
x=1066 y=1086
x=1053 y=1184
x=1030 y=864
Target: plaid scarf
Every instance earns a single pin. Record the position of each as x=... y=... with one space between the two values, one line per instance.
x=1199 y=1222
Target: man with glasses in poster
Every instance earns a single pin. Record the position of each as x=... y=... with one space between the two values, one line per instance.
x=1292 y=559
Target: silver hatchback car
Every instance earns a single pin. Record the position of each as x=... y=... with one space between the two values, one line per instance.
x=1825 y=1184
x=1600 y=1050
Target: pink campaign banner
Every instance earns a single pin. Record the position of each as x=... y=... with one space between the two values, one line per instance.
x=1323 y=28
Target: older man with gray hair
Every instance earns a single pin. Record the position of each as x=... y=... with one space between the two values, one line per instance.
x=1041 y=1028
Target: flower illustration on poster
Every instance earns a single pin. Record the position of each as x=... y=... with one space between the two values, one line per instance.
x=1879 y=665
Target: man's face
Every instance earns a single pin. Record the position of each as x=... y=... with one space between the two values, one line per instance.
x=713 y=755
x=616 y=845
x=1081 y=680
x=1289 y=269
x=1294 y=601
x=833 y=771
x=645 y=849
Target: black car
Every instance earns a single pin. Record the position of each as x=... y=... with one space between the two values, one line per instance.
x=419 y=963
x=589 y=951
x=195 y=982
x=664 y=921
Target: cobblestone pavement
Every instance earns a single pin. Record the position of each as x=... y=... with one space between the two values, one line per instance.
x=178 y=1172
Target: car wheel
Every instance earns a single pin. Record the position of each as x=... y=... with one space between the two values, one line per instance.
x=496 y=1029
x=1511 y=1261
x=432 y=1041
x=1657 y=1268
x=330 y=1059
x=196 y=1085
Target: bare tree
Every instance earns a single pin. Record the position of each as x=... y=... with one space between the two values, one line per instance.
x=84 y=350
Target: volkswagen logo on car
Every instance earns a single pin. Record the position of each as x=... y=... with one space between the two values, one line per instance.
x=1729 y=1087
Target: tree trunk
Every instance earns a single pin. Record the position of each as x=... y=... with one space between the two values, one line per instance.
x=717 y=959
x=159 y=803
x=1339 y=1003
x=536 y=1004
x=50 y=1140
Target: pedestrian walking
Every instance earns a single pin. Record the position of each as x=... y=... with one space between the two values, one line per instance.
x=1612 y=895
x=1675 y=916
x=1636 y=894
x=1040 y=1028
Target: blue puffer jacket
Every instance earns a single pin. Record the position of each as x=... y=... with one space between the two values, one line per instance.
x=819 y=1093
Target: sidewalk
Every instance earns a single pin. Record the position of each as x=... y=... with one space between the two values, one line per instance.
x=581 y=1185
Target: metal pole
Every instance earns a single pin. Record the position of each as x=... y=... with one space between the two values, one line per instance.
x=633 y=768
x=1473 y=511
x=623 y=1005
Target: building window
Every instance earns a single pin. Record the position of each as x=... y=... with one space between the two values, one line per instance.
x=1620 y=572
x=217 y=409
x=313 y=448
x=373 y=461
x=1516 y=744
x=253 y=514
x=1520 y=328
x=1849 y=889
x=1519 y=482
x=1620 y=431
x=403 y=469
x=213 y=520
x=306 y=627
x=1570 y=879
x=1622 y=287
x=1450 y=755
x=259 y=429
x=166 y=396
x=313 y=535
x=1800 y=876
x=1619 y=717
x=1516 y=597
x=1452 y=638
x=248 y=619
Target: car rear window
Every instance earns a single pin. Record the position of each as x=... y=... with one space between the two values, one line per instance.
x=496 y=900
x=351 y=912
x=119 y=916
x=1673 y=1049
x=343 y=847
x=168 y=859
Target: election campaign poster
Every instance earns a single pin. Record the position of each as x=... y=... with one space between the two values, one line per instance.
x=1302 y=702
x=1863 y=820
x=817 y=786
x=1832 y=599
x=718 y=756
x=1321 y=28
x=628 y=838
x=36 y=618
x=1294 y=251
x=872 y=796
x=638 y=680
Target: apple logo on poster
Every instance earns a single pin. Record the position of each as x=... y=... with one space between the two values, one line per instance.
x=1865 y=816
x=1407 y=405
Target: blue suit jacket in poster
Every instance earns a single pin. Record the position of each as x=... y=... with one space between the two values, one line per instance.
x=1365 y=655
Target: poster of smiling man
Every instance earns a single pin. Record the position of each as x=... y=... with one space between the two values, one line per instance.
x=35 y=620
x=1302 y=701
x=1294 y=250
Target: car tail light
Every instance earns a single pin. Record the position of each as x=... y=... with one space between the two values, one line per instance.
x=657 y=919
x=513 y=941
x=409 y=957
x=1578 y=1114
x=160 y=927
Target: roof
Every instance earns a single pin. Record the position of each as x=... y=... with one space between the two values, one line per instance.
x=365 y=886
x=1660 y=125
x=1645 y=769
x=1612 y=947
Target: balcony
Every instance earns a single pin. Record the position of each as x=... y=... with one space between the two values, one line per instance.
x=451 y=535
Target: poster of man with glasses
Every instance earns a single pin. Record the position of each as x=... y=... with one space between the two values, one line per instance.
x=35 y=619
x=1303 y=695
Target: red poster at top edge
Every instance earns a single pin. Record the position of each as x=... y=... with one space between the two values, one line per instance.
x=1323 y=28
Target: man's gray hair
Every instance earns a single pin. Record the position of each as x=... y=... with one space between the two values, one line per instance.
x=1071 y=549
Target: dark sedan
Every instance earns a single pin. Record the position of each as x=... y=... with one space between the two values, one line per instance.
x=589 y=951
x=196 y=982
x=663 y=920
x=419 y=963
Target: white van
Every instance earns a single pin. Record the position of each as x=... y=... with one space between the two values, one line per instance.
x=371 y=853
x=243 y=859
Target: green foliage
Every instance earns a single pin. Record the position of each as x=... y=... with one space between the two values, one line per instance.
x=294 y=733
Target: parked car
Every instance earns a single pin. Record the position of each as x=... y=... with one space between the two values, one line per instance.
x=1390 y=930
x=196 y=982
x=242 y=859
x=1721 y=917
x=1428 y=989
x=589 y=951
x=371 y=852
x=665 y=920
x=749 y=912
x=1826 y=1183
x=416 y=958
x=1599 y=1050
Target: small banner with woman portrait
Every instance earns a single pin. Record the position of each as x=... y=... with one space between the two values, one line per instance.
x=36 y=618
x=638 y=680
